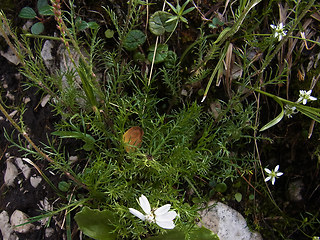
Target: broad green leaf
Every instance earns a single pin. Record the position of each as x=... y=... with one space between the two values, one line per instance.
x=196 y=233
x=202 y=233
x=27 y=12
x=134 y=39
x=37 y=28
x=81 y=24
x=171 y=59
x=276 y=120
x=64 y=186
x=169 y=235
x=42 y=3
x=159 y=23
x=161 y=53
x=238 y=197
x=215 y=23
x=139 y=57
x=93 y=25
x=46 y=10
x=96 y=224
x=221 y=187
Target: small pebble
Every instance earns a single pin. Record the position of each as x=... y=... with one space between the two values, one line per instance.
x=26 y=170
x=49 y=232
x=35 y=180
x=10 y=174
x=5 y=227
x=18 y=218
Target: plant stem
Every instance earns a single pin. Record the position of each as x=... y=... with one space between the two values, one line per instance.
x=38 y=150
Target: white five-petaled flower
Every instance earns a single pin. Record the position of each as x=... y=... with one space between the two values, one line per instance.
x=273 y=174
x=161 y=216
x=305 y=96
x=279 y=31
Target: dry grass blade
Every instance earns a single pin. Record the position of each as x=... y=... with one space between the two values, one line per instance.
x=228 y=68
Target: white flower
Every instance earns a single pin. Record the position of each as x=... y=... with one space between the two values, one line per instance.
x=273 y=174
x=289 y=111
x=305 y=96
x=161 y=216
x=279 y=31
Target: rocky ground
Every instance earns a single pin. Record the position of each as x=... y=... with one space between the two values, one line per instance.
x=24 y=193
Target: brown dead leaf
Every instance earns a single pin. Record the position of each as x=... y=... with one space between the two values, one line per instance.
x=133 y=138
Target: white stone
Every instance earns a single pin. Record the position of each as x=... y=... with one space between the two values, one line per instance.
x=73 y=159
x=35 y=180
x=5 y=227
x=46 y=54
x=18 y=218
x=26 y=170
x=45 y=100
x=10 y=174
x=226 y=222
x=49 y=232
x=10 y=56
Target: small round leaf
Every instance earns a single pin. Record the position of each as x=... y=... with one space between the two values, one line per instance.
x=161 y=53
x=159 y=24
x=37 y=28
x=134 y=39
x=93 y=25
x=221 y=187
x=64 y=186
x=109 y=33
x=27 y=12
x=238 y=197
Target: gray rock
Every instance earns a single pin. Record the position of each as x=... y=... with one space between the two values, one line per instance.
x=226 y=222
x=49 y=232
x=46 y=54
x=35 y=180
x=10 y=174
x=10 y=56
x=5 y=227
x=18 y=218
x=295 y=190
x=26 y=170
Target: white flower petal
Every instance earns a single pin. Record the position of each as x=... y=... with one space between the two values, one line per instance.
x=137 y=214
x=162 y=210
x=273 y=26
x=267 y=179
x=144 y=204
x=309 y=92
x=267 y=170
x=279 y=174
x=276 y=168
x=273 y=180
x=312 y=98
x=166 y=225
x=304 y=102
x=169 y=216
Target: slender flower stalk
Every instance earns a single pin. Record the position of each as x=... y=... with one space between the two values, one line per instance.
x=273 y=174
x=161 y=216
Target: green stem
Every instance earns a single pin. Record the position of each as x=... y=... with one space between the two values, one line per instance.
x=43 y=37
